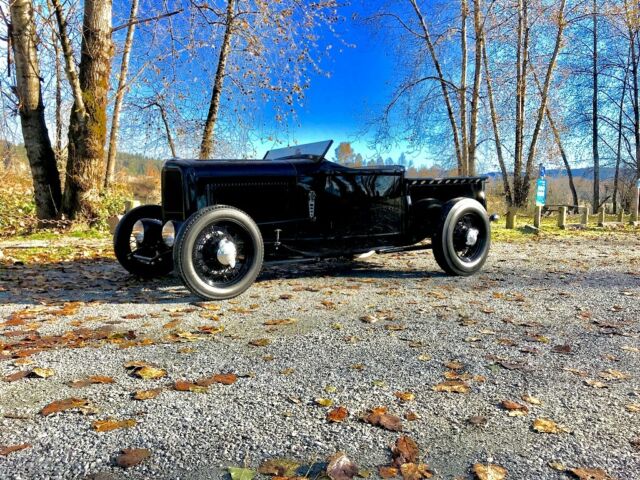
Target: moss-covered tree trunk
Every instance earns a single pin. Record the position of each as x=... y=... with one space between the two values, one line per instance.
x=88 y=122
x=42 y=160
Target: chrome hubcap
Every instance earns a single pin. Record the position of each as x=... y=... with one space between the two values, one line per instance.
x=227 y=253
x=472 y=237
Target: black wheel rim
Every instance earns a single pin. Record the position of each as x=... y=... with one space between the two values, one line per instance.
x=204 y=255
x=467 y=227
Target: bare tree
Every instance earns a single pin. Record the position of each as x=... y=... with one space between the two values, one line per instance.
x=120 y=92
x=42 y=160
x=88 y=122
x=595 y=136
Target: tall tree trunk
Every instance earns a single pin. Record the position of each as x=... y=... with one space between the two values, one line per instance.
x=444 y=84
x=635 y=52
x=477 y=81
x=594 y=119
x=206 y=148
x=521 y=80
x=58 y=73
x=42 y=160
x=616 y=178
x=462 y=91
x=122 y=87
x=88 y=122
x=544 y=100
x=496 y=129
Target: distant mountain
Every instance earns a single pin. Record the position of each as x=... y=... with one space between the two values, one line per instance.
x=606 y=173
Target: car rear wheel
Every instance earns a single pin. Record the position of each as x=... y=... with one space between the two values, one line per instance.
x=130 y=252
x=219 y=252
x=461 y=243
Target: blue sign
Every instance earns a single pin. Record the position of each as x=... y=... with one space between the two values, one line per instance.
x=541 y=192
x=543 y=171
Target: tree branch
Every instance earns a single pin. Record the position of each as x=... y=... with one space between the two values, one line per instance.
x=145 y=20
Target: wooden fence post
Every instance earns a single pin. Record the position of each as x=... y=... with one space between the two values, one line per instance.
x=601 y=216
x=562 y=218
x=537 y=217
x=512 y=218
x=636 y=206
x=584 y=220
x=621 y=215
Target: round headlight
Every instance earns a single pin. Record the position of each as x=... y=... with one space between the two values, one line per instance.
x=138 y=231
x=169 y=234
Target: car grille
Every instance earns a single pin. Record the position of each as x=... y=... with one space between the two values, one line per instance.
x=172 y=194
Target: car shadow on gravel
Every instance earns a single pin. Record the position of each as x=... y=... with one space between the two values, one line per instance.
x=104 y=281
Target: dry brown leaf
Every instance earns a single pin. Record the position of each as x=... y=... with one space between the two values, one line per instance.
x=260 y=342
x=590 y=474
x=172 y=324
x=150 y=373
x=94 y=379
x=405 y=396
x=338 y=415
x=633 y=408
x=531 y=400
x=81 y=404
x=515 y=409
x=182 y=386
x=612 y=374
x=111 y=424
x=282 y=321
x=595 y=383
x=388 y=472
x=369 y=319
x=412 y=471
x=341 y=467
x=452 y=386
x=147 y=394
x=544 y=425
x=279 y=467
x=14 y=377
x=43 y=372
x=7 y=449
x=379 y=417
x=412 y=416
x=130 y=457
x=404 y=451
x=477 y=420
x=489 y=472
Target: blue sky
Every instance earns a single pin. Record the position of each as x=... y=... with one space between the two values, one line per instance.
x=360 y=85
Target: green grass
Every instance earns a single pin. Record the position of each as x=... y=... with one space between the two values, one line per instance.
x=79 y=232
x=549 y=229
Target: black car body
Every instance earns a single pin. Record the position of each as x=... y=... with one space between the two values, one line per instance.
x=300 y=207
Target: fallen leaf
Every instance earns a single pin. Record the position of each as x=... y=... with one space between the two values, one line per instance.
x=405 y=396
x=489 y=472
x=14 y=377
x=94 y=379
x=241 y=473
x=341 y=467
x=130 y=457
x=477 y=420
x=531 y=400
x=172 y=324
x=369 y=319
x=225 y=379
x=515 y=409
x=612 y=374
x=562 y=349
x=590 y=474
x=183 y=386
x=633 y=408
x=7 y=449
x=260 y=342
x=544 y=425
x=338 y=415
x=111 y=424
x=147 y=394
x=324 y=402
x=280 y=467
x=150 y=373
x=81 y=404
x=283 y=321
x=388 y=472
x=412 y=471
x=452 y=386
x=454 y=365
x=404 y=451
x=412 y=416
x=595 y=383
x=380 y=417
x=43 y=372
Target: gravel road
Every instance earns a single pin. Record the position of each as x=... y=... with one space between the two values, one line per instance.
x=557 y=320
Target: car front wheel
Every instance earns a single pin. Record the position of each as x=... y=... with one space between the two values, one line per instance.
x=148 y=258
x=462 y=240
x=219 y=252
